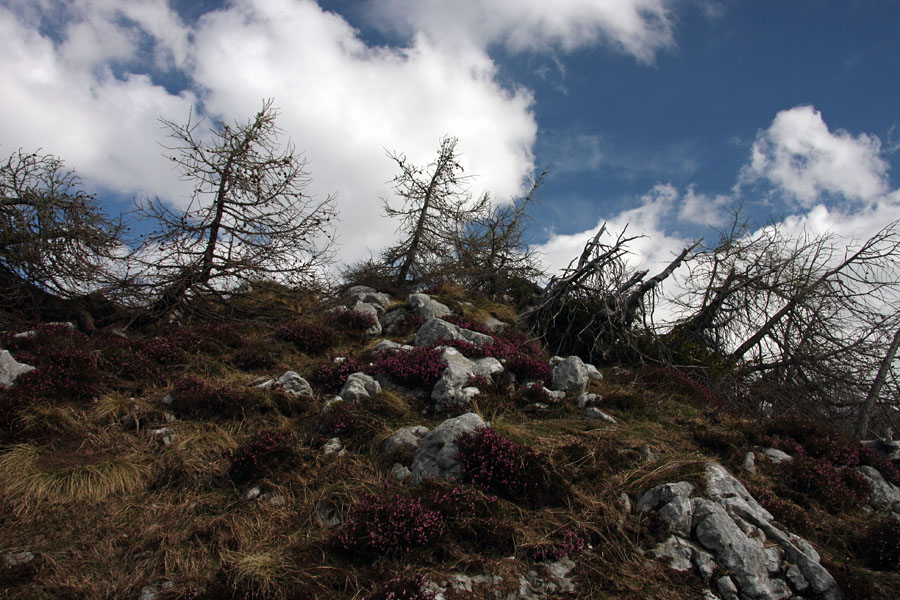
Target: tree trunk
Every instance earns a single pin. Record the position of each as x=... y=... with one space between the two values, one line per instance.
x=865 y=413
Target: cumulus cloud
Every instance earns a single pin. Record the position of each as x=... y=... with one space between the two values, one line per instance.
x=649 y=219
x=637 y=27
x=802 y=158
x=84 y=80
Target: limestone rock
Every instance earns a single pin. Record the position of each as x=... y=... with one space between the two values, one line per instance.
x=656 y=497
x=10 y=369
x=292 y=383
x=435 y=454
x=359 y=386
x=595 y=413
x=570 y=375
x=884 y=493
x=407 y=438
x=423 y=304
x=362 y=293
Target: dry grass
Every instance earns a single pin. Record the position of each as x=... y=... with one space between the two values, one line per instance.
x=33 y=475
x=109 y=508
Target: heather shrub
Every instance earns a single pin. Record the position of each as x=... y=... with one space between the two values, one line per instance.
x=171 y=349
x=354 y=321
x=123 y=358
x=529 y=368
x=212 y=337
x=879 y=545
x=65 y=366
x=410 y=322
x=570 y=542
x=499 y=465
x=836 y=487
x=308 y=337
x=196 y=397
x=419 y=367
x=331 y=376
x=403 y=588
x=784 y=511
x=467 y=349
x=255 y=457
x=389 y=522
x=887 y=468
x=338 y=419
x=254 y=355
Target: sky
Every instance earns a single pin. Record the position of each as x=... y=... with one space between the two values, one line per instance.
x=662 y=115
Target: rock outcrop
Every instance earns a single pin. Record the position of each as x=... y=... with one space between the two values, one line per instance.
x=731 y=530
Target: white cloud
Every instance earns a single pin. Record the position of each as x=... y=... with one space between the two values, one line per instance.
x=650 y=219
x=344 y=103
x=800 y=156
x=638 y=27
x=88 y=94
x=704 y=209
x=65 y=99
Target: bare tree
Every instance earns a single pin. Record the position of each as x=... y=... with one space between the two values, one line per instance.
x=54 y=240
x=491 y=252
x=248 y=218
x=810 y=317
x=436 y=207
x=592 y=309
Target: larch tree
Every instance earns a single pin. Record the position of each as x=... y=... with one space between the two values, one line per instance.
x=248 y=218
x=436 y=206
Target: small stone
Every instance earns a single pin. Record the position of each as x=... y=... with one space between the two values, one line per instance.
x=277 y=500
x=333 y=446
x=775 y=455
x=749 y=463
x=17 y=560
x=292 y=383
x=407 y=438
x=585 y=399
x=649 y=454
x=401 y=473
x=595 y=413
x=592 y=372
x=538 y=406
x=251 y=494
x=726 y=588
x=168 y=399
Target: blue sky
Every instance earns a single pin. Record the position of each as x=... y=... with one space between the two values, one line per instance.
x=653 y=113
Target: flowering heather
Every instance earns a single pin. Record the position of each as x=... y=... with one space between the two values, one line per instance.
x=351 y=319
x=197 y=397
x=419 y=367
x=258 y=454
x=338 y=419
x=880 y=545
x=784 y=511
x=255 y=355
x=65 y=367
x=403 y=588
x=388 y=522
x=171 y=349
x=410 y=322
x=467 y=349
x=331 y=376
x=308 y=337
x=571 y=543
x=838 y=488
x=499 y=465
x=529 y=368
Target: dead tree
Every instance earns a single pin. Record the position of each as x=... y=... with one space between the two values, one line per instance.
x=806 y=320
x=56 y=245
x=436 y=207
x=592 y=309
x=248 y=219
x=491 y=254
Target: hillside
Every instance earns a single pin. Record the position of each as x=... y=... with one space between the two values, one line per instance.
x=212 y=460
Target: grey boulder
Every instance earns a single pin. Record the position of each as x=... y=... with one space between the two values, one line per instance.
x=435 y=456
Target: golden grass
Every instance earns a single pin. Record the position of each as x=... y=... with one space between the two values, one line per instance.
x=27 y=472
x=262 y=573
